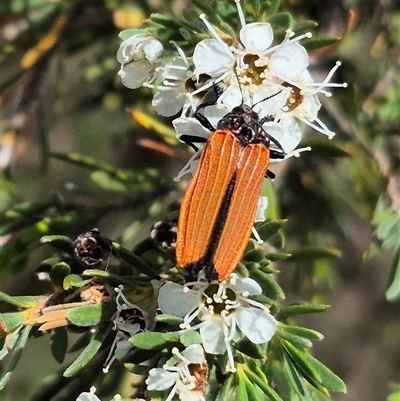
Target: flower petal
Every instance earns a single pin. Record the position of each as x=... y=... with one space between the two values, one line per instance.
x=233 y=97
x=194 y=353
x=160 y=379
x=310 y=107
x=258 y=325
x=289 y=61
x=134 y=74
x=88 y=396
x=172 y=300
x=212 y=335
x=128 y=46
x=190 y=127
x=216 y=112
x=241 y=284
x=261 y=208
x=152 y=48
x=256 y=37
x=122 y=348
x=212 y=58
x=287 y=133
x=269 y=100
x=175 y=69
x=168 y=101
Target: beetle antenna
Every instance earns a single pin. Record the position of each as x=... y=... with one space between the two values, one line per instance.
x=266 y=98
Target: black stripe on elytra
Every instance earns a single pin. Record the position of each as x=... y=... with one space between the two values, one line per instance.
x=206 y=262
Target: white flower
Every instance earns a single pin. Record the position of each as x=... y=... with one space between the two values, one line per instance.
x=252 y=64
x=89 y=396
x=127 y=321
x=169 y=82
x=288 y=133
x=274 y=80
x=302 y=101
x=261 y=208
x=221 y=308
x=260 y=216
x=170 y=96
x=138 y=56
x=188 y=384
x=212 y=57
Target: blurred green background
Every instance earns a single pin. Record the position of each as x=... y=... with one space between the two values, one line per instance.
x=60 y=95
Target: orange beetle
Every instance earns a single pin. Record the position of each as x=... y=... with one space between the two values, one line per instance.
x=218 y=209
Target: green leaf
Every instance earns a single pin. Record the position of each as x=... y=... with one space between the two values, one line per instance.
x=273 y=257
x=58 y=272
x=128 y=33
x=48 y=387
x=270 y=7
x=73 y=281
x=28 y=209
x=172 y=320
x=301 y=331
x=19 y=344
x=304 y=26
x=269 y=286
x=26 y=301
x=10 y=321
x=262 y=384
x=250 y=349
x=387 y=222
x=138 y=355
x=394 y=392
x=134 y=261
x=241 y=391
x=295 y=379
x=281 y=22
x=313 y=252
x=205 y=8
x=22 y=6
x=252 y=393
x=190 y=337
x=225 y=388
x=301 y=309
x=90 y=315
x=142 y=179
x=4 y=348
x=45 y=265
x=318 y=43
x=225 y=10
x=105 y=181
x=59 y=343
x=114 y=279
x=393 y=291
x=267 y=229
x=314 y=369
x=226 y=28
x=60 y=242
x=255 y=255
x=88 y=353
x=294 y=339
x=154 y=340
x=137 y=369
x=165 y=21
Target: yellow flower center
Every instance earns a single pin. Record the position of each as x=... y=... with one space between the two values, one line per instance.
x=218 y=303
x=254 y=72
x=295 y=98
